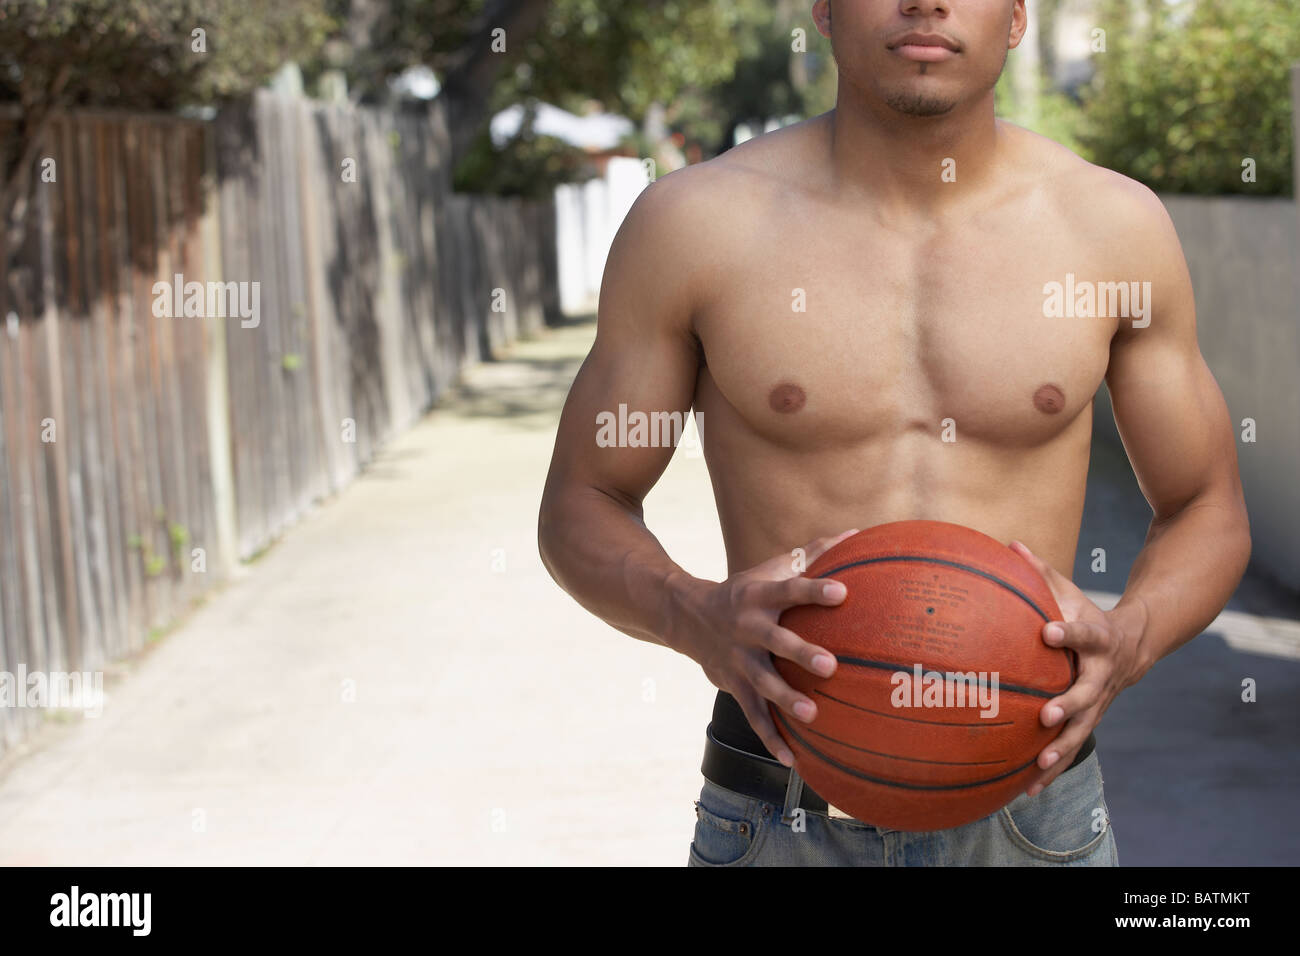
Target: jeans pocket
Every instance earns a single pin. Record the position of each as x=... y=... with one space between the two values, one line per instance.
x=729 y=828
x=1065 y=823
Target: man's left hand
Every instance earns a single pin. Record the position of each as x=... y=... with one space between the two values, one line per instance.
x=1107 y=645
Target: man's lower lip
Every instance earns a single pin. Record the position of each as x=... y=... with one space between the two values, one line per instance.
x=925 y=54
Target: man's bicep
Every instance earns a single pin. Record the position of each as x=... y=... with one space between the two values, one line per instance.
x=1173 y=421
x=1168 y=408
x=626 y=410
x=632 y=397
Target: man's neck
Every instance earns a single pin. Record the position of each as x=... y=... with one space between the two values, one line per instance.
x=906 y=166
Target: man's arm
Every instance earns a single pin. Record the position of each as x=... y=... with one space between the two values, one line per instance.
x=591 y=531
x=1175 y=428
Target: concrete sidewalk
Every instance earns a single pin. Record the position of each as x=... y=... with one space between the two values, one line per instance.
x=400 y=682
x=494 y=720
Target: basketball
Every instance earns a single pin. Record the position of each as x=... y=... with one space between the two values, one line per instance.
x=931 y=719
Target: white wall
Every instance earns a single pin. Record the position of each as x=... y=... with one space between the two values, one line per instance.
x=587 y=215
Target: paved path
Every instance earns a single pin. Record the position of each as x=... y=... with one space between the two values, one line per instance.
x=1194 y=775
x=399 y=681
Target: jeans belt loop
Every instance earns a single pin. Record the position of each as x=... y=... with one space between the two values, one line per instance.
x=793 y=794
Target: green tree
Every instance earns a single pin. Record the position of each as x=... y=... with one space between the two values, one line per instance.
x=134 y=54
x=1180 y=101
x=770 y=79
x=488 y=54
x=629 y=58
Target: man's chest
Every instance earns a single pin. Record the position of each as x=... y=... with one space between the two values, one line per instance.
x=816 y=337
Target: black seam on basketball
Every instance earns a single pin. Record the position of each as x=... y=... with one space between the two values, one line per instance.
x=881 y=753
x=893 y=783
x=951 y=564
x=915 y=720
x=882 y=665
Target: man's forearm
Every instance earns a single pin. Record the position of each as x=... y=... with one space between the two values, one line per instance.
x=601 y=552
x=1184 y=576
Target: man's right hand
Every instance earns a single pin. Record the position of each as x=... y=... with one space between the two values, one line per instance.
x=732 y=630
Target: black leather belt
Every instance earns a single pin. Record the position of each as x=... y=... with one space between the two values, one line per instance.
x=760 y=777
x=766 y=779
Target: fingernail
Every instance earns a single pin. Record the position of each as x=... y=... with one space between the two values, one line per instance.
x=1035 y=790
x=1054 y=714
x=786 y=757
x=834 y=590
x=824 y=664
x=803 y=710
x=1054 y=633
x=1051 y=759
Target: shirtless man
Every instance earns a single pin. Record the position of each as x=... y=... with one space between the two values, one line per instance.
x=859 y=309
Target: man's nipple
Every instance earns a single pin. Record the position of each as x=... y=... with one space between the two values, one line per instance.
x=786 y=398
x=1049 y=399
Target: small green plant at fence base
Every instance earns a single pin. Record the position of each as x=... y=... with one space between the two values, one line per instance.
x=291 y=362
x=155 y=564
x=180 y=536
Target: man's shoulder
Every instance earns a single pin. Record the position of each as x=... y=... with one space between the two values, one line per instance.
x=1121 y=223
x=734 y=183
x=781 y=160
x=1089 y=198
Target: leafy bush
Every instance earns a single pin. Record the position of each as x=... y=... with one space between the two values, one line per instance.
x=1180 y=101
x=139 y=54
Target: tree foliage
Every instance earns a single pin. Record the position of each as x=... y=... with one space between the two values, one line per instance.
x=139 y=54
x=375 y=40
x=628 y=56
x=770 y=78
x=1180 y=101
x=707 y=64
x=133 y=54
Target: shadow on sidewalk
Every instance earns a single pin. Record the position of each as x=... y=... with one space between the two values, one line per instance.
x=1195 y=776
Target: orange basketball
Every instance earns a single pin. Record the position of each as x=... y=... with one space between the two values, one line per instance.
x=931 y=719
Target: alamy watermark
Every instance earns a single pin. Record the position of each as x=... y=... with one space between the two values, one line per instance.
x=53 y=690
x=637 y=429
x=218 y=300
x=922 y=688
x=127 y=910
x=1091 y=300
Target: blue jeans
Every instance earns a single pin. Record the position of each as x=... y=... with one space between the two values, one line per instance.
x=1067 y=824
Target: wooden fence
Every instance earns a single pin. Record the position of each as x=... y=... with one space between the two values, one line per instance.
x=145 y=448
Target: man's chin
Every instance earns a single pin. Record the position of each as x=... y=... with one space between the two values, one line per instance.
x=917 y=103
